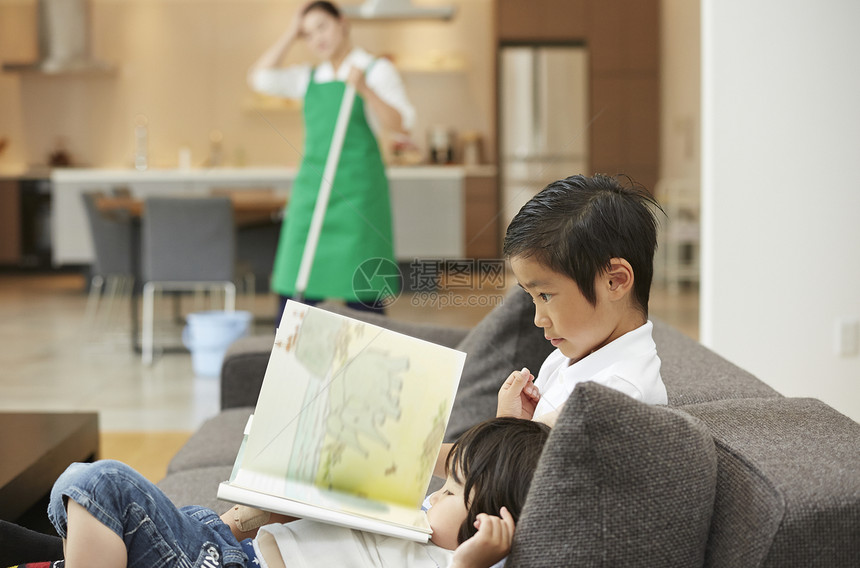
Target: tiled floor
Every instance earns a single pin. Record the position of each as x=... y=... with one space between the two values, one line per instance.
x=51 y=361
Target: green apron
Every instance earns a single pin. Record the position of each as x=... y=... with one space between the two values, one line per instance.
x=357 y=224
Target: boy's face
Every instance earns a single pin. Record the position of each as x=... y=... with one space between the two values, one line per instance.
x=569 y=321
x=447 y=513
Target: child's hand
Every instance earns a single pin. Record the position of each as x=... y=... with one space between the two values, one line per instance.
x=518 y=397
x=489 y=545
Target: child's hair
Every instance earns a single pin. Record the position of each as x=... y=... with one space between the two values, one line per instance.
x=496 y=460
x=576 y=225
x=327 y=7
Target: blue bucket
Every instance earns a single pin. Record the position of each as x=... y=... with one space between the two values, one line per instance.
x=209 y=334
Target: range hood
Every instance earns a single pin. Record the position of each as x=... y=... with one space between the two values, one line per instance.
x=397 y=10
x=64 y=41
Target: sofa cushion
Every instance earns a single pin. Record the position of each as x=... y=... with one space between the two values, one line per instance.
x=506 y=340
x=636 y=482
x=216 y=442
x=693 y=373
x=197 y=487
x=788 y=487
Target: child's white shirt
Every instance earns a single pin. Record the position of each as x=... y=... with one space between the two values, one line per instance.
x=308 y=544
x=629 y=364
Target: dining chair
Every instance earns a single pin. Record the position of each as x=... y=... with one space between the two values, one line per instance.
x=188 y=245
x=112 y=269
x=257 y=236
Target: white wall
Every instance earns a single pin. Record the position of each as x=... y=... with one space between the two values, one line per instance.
x=781 y=191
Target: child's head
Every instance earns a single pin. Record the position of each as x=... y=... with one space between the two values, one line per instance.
x=490 y=466
x=595 y=234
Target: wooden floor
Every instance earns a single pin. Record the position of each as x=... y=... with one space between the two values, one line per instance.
x=147 y=452
x=52 y=360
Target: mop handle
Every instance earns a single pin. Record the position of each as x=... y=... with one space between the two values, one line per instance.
x=325 y=191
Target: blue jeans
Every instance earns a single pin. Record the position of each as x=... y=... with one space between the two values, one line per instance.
x=155 y=532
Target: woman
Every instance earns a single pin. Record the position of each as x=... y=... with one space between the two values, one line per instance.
x=357 y=225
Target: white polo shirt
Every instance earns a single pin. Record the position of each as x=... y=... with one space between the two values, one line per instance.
x=307 y=544
x=292 y=82
x=629 y=364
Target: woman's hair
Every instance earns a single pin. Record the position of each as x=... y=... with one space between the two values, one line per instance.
x=326 y=7
x=495 y=459
x=575 y=226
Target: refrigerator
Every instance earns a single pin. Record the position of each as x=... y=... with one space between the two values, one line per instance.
x=543 y=119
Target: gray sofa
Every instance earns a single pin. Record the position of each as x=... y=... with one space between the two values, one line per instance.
x=730 y=473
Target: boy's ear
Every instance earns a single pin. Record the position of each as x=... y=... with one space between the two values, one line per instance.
x=618 y=278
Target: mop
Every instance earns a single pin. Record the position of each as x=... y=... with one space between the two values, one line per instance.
x=325 y=192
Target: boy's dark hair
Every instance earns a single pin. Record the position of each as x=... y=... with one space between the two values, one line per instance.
x=576 y=225
x=327 y=7
x=496 y=460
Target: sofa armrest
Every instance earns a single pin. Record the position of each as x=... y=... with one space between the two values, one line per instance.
x=243 y=370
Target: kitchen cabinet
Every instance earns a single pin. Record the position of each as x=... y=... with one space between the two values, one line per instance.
x=483 y=217
x=440 y=212
x=24 y=219
x=10 y=222
x=623 y=43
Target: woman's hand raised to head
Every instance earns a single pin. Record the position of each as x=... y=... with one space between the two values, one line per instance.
x=295 y=28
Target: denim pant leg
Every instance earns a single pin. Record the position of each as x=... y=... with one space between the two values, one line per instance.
x=155 y=532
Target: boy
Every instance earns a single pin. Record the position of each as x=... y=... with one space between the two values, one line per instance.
x=583 y=249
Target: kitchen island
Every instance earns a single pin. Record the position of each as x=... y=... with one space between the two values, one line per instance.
x=440 y=212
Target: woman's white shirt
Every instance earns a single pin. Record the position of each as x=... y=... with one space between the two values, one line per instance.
x=292 y=82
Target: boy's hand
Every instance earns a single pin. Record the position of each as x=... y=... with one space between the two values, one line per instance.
x=518 y=397
x=489 y=545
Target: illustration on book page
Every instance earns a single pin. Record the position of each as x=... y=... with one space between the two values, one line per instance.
x=351 y=407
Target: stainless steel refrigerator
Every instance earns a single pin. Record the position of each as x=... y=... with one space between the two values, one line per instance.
x=543 y=119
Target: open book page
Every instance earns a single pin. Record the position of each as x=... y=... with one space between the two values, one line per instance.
x=311 y=502
x=348 y=408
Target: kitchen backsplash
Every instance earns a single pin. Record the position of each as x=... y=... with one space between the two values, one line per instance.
x=181 y=64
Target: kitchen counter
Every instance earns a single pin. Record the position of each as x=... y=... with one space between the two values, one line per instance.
x=15 y=173
x=429 y=203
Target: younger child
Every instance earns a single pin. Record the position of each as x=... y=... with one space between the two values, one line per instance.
x=583 y=249
x=109 y=515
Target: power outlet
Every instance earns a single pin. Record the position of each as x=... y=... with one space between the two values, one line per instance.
x=848 y=337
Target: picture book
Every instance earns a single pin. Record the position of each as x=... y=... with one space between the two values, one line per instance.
x=348 y=425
